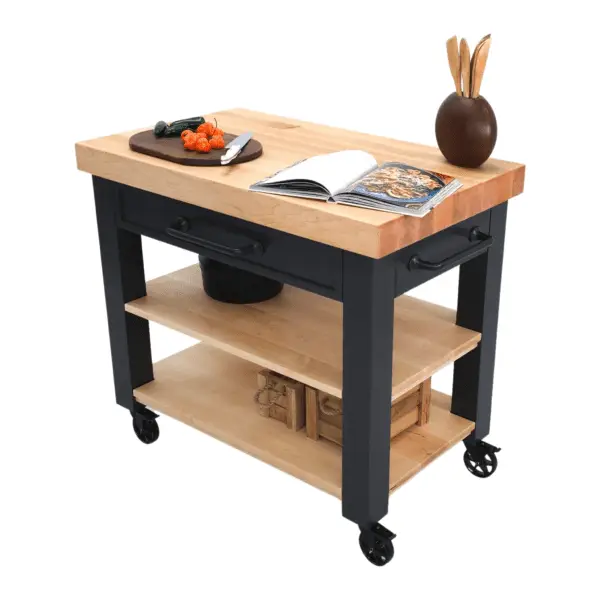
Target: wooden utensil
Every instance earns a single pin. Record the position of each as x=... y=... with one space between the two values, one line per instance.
x=465 y=67
x=454 y=62
x=479 y=61
x=475 y=53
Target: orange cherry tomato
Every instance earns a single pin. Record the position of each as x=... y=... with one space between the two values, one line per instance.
x=189 y=142
x=217 y=141
x=202 y=145
x=209 y=128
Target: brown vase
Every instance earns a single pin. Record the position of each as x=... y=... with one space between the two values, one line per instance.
x=466 y=130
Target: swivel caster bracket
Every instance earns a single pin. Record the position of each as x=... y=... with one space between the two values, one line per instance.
x=143 y=412
x=144 y=423
x=376 y=544
x=480 y=458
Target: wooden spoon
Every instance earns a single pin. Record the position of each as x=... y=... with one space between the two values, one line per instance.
x=479 y=62
x=475 y=53
x=465 y=67
x=454 y=62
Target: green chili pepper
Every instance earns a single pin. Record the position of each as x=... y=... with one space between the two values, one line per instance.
x=174 y=129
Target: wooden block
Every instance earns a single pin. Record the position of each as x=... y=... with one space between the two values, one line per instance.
x=225 y=190
x=263 y=398
x=330 y=432
x=406 y=405
x=425 y=402
x=405 y=413
x=403 y=422
x=296 y=409
x=281 y=398
x=312 y=414
x=324 y=412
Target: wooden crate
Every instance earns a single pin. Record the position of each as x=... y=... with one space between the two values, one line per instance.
x=281 y=398
x=324 y=413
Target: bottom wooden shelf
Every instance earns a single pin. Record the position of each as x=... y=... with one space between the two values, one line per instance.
x=213 y=392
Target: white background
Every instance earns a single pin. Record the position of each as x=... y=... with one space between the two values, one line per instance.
x=86 y=510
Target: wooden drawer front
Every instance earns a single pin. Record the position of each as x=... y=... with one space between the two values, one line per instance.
x=275 y=254
x=448 y=249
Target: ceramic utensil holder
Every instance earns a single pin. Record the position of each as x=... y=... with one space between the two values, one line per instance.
x=466 y=130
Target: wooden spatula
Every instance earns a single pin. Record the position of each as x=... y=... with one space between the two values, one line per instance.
x=480 y=57
x=465 y=67
x=475 y=53
x=454 y=62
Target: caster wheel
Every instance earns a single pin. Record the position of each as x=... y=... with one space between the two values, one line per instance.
x=483 y=464
x=379 y=552
x=146 y=430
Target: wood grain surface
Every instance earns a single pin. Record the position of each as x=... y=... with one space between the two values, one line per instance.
x=213 y=392
x=465 y=68
x=285 y=141
x=480 y=57
x=299 y=334
x=454 y=62
x=172 y=149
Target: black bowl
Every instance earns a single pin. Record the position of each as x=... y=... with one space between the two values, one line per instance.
x=235 y=286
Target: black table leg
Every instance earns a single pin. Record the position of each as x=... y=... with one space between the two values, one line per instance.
x=368 y=304
x=124 y=280
x=478 y=303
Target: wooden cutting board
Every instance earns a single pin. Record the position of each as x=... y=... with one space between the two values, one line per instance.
x=172 y=149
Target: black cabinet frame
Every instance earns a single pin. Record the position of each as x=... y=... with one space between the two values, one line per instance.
x=367 y=288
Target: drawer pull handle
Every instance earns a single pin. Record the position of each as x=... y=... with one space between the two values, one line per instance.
x=483 y=240
x=223 y=241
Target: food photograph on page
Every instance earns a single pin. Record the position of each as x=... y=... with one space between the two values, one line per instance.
x=398 y=181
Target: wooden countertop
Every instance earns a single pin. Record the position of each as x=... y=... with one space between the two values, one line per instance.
x=285 y=141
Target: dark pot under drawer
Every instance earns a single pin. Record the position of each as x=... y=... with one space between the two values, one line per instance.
x=228 y=284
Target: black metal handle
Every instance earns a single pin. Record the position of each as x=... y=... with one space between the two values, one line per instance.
x=475 y=235
x=223 y=241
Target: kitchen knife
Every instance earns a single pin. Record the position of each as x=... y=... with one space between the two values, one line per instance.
x=235 y=147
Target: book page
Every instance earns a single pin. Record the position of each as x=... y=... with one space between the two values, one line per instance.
x=402 y=185
x=335 y=171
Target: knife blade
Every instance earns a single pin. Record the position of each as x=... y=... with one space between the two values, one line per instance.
x=235 y=147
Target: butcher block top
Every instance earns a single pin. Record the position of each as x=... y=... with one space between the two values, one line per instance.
x=285 y=141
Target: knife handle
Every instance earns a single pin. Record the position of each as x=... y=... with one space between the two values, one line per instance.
x=231 y=154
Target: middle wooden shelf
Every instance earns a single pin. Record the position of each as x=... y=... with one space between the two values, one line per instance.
x=299 y=334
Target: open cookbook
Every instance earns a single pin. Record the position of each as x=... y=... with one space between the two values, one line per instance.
x=353 y=177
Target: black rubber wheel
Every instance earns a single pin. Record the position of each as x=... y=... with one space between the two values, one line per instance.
x=483 y=466
x=146 y=430
x=381 y=554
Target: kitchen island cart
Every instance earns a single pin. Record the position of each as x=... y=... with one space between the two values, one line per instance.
x=343 y=323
